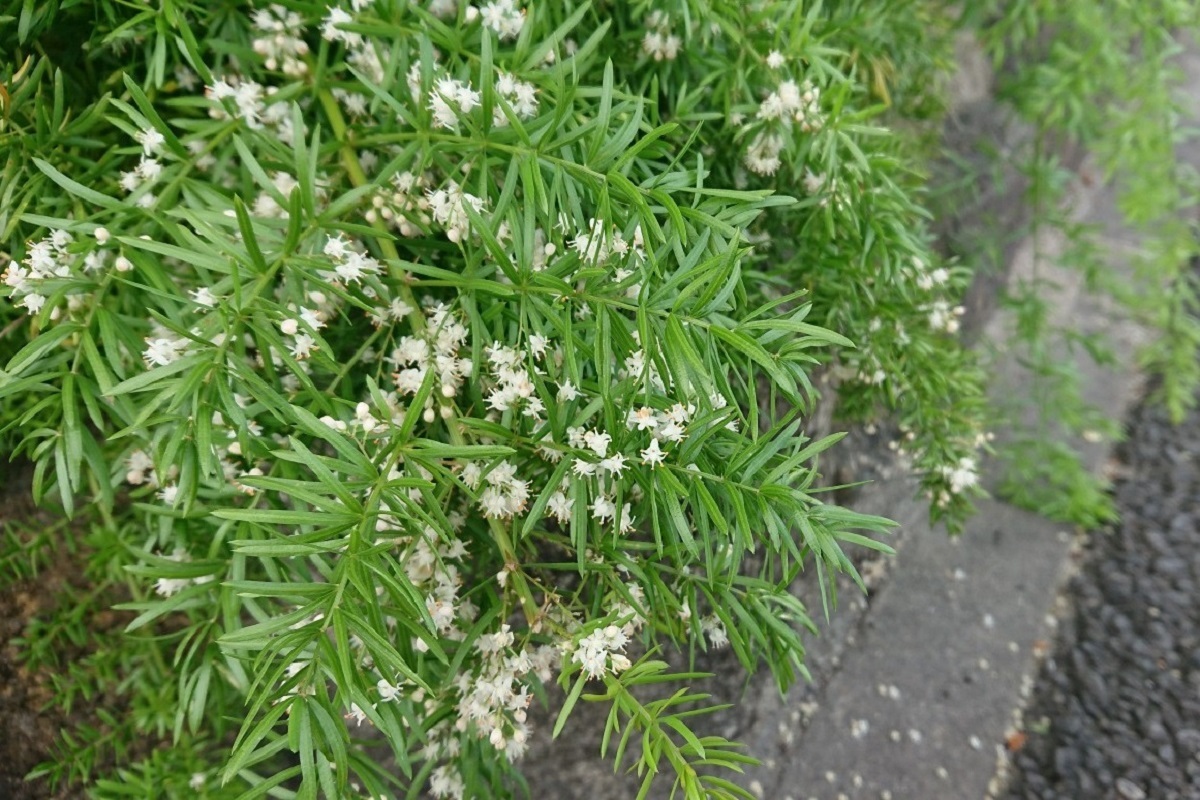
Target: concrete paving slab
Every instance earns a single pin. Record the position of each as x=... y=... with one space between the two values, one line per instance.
x=913 y=711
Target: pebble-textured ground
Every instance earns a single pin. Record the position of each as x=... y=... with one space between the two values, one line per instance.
x=1115 y=711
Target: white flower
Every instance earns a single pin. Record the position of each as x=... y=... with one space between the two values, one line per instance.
x=559 y=507
x=653 y=455
x=521 y=96
x=203 y=297
x=356 y=713
x=567 y=392
x=503 y=17
x=450 y=99
x=775 y=59
x=356 y=265
x=643 y=419
x=166 y=587
x=603 y=509
x=102 y=235
x=762 y=157
x=331 y=27
x=449 y=209
x=614 y=464
x=596 y=245
x=150 y=169
x=598 y=442
x=445 y=782
x=597 y=648
x=281 y=47
x=151 y=141
x=162 y=351
x=714 y=629
x=538 y=344
x=471 y=474
x=303 y=346
x=659 y=43
x=387 y=691
x=962 y=476
x=33 y=302
x=289 y=327
x=337 y=247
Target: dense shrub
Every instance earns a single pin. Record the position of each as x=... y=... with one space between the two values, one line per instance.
x=410 y=359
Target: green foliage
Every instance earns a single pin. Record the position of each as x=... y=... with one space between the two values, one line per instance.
x=434 y=355
x=1101 y=76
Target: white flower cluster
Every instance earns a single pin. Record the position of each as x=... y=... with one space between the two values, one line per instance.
x=450 y=100
x=664 y=426
x=794 y=103
x=164 y=347
x=47 y=258
x=149 y=169
x=791 y=103
x=636 y=365
x=446 y=782
x=250 y=100
x=493 y=702
x=599 y=652
x=762 y=157
x=404 y=204
x=601 y=242
x=432 y=565
x=350 y=264
x=659 y=43
x=961 y=476
x=928 y=279
x=504 y=17
x=504 y=496
x=331 y=30
x=520 y=96
x=944 y=317
x=395 y=310
x=282 y=46
x=449 y=209
x=512 y=383
x=443 y=9
x=302 y=343
x=434 y=349
x=355 y=103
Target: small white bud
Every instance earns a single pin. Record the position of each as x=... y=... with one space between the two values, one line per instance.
x=289 y=327
x=102 y=235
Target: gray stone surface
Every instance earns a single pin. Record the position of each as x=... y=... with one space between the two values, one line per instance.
x=920 y=706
